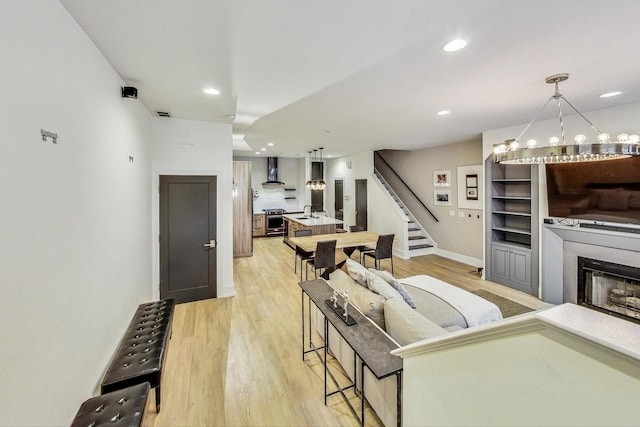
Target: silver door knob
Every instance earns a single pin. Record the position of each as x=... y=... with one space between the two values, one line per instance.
x=211 y=244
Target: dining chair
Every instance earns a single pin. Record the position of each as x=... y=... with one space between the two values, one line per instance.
x=299 y=253
x=351 y=249
x=383 y=250
x=325 y=257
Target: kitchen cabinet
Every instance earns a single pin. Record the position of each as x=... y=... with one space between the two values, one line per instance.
x=259 y=229
x=242 y=207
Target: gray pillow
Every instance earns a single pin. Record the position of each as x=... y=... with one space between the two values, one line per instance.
x=388 y=277
x=407 y=326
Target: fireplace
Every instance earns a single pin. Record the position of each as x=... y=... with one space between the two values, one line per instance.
x=609 y=287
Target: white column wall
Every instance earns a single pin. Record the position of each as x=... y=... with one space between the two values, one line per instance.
x=191 y=147
x=74 y=216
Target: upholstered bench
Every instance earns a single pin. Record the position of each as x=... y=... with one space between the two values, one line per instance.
x=140 y=355
x=124 y=408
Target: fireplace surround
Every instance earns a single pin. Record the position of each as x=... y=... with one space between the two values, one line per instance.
x=609 y=287
x=562 y=245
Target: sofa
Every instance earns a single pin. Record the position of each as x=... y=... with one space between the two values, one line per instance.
x=407 y=310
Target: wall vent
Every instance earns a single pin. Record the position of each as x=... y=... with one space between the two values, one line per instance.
x=163 y=114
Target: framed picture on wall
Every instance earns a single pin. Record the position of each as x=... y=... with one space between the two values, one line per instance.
x=442 y=197
x=442 y=178
x=469 y=184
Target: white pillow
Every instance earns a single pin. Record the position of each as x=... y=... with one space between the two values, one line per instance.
x=357 y=271
x=406 y=325
x=380 y=287
x=369 y=303
x=388 y=277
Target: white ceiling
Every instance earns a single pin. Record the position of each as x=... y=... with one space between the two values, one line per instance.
x=351 y=75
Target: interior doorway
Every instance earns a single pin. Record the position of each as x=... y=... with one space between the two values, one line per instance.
x=361 y=203
x=188 y=237
x=338 y=205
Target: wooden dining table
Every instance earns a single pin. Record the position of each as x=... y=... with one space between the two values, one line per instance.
x=343 y=240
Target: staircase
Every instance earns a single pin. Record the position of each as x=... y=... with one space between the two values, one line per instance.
x=419 y=242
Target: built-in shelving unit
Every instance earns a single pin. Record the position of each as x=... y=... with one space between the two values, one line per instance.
x=512 y=226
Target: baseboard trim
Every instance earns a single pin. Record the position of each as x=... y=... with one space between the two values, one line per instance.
x=228 y=291
x=460 y=258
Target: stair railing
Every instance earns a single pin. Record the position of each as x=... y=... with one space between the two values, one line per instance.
x=405 y=184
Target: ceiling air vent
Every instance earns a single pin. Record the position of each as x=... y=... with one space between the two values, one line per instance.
x=163 y=114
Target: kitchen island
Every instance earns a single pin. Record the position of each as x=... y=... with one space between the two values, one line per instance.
x=317 y=224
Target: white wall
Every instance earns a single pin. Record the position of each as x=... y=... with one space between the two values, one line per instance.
x=190 y=147
x=74 y=217
x=361 y=168
x=290 y=171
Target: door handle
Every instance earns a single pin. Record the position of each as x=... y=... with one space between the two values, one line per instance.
x=211 y=244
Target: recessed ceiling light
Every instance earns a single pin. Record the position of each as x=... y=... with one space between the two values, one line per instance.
x=454 y=45
x=257 y=152
x=610 y=94
x=263 y=149
x=443 y=112
x=270 y=144
x=212 y=91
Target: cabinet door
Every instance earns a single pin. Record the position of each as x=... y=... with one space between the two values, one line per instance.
x=499 y=262
x=258 y=225
x=520 y=267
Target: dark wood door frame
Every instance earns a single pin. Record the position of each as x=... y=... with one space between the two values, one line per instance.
x=338 y=198
x=361 y=202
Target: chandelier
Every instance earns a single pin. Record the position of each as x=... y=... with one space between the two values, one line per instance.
x=316 y=184
x=558 y=151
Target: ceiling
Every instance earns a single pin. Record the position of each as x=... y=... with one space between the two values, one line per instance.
x=365 y=74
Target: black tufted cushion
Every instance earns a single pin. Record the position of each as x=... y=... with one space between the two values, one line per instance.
x=141 y=352
x=122 y=408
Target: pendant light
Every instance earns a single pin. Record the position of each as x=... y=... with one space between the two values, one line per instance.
x=316 y=184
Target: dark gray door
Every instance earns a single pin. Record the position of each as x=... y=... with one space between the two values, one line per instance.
x=187 y=237
x=361 y=202
x=317 y=196
x=339 y=196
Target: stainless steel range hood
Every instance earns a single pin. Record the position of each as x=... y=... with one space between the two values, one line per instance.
x=272 y=173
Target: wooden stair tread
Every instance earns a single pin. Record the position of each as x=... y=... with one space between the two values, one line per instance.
x=424 y=246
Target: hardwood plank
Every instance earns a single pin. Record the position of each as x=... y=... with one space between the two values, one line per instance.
x=236 y=361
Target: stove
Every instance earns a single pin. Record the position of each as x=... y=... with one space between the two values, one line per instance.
x=274 y=223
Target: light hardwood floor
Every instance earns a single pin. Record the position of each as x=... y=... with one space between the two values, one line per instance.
x=237 y=361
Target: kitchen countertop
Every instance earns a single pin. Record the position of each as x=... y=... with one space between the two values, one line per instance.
x=310 y=222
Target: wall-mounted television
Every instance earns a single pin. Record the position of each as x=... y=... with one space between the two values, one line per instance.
x=602 y=191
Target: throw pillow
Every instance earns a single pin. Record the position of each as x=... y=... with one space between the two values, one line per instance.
x=370 y=304
x=357 y=271
x=406 y=326
x=380 y=287
x=388 y=277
